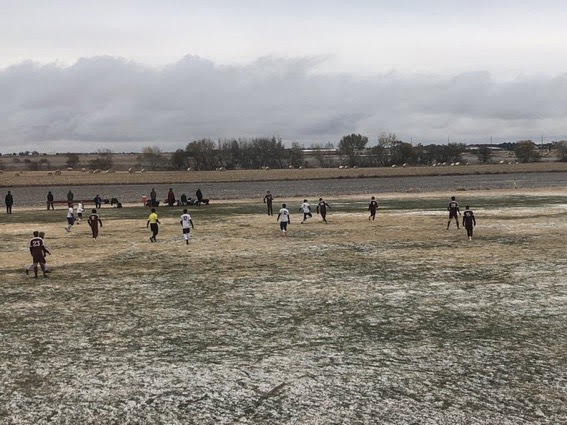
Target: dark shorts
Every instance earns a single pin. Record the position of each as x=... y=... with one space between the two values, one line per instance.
x=306 y=215
x=283 y=225
x=80 y=215
x=453 y=214
x=38 y=258
x=154 y=228
x=70 y=221
x=186 y=230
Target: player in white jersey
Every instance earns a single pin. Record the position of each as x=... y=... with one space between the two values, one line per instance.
x=80 y=210
x=284 y=219
x=306 y=209
x=186 y=224
x=70 y=218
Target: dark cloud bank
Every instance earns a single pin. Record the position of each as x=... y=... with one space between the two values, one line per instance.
x=104 y=100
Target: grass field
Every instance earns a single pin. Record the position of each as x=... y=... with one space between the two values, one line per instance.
x=397 y=321
x=41 y=178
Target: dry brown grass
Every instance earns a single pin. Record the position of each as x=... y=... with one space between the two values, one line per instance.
x=41 y=178
x=396 y=321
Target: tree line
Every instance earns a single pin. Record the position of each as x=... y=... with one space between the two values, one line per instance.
x=352 y=150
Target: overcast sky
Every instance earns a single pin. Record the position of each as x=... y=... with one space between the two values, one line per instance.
x=79 y=75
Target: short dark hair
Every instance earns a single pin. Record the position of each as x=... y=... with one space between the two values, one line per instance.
x=283 y=205
x=35 y=233
x=453 y=198
x=93 y=210
x=153 y=210
x=184 y=210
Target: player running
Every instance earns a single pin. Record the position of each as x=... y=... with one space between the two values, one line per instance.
x=186 y=224
x=94 y=221
x=80 y=211
x=268 y=199
x=153 y=224
x=372 y=207
x=469 y=222
x=70 y=218
x=284 y=219
x=454 y=212
x=38 y=251
x=306 y=209
x=322 y=209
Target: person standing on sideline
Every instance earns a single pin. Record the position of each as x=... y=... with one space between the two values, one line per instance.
x=454 y=212
x=70 y=196
x=186 y=224
x=153 y=198
x=38 y=251
x=153 y=224
x=97 y=201
x=322 y=209
x=469 y=222
x=284 y=219
x=170 y=197
x=94 y=221
x=9 y=202
x=70 y=218
x=80 y=210
x=50 y=200
x=372 y=207
x=199 y=196
x=306 y=209
x=268 y=199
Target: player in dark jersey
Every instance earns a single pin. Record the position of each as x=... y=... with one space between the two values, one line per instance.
x=454 y=212
x=322 y=209
x=94 y=221
x=372 y=207
x=268 y=199
x=38 y=251
x=469 y=222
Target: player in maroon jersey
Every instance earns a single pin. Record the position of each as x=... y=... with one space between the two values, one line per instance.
x=454 y=212
x=94 y=221
x=38 y=251
x=322 y=209
x=372 y=207
x=469 y=222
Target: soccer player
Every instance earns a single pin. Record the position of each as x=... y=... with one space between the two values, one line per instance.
x=9 y=202
x=153 y=198
x=268 y=199
x=80 y=210
x=469 y=222
x=454 y=212
x=50 y=200
x=70 y=196
x=322 y=209
x=38 y=251
x=70 y=218
x=372 y=207
x=306 y=209
x=185 y=223
x=30 y=267
x=153 y=224
x=284 y=219
x=94 y=221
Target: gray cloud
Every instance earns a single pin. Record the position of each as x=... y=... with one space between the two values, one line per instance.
x=106 y=101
